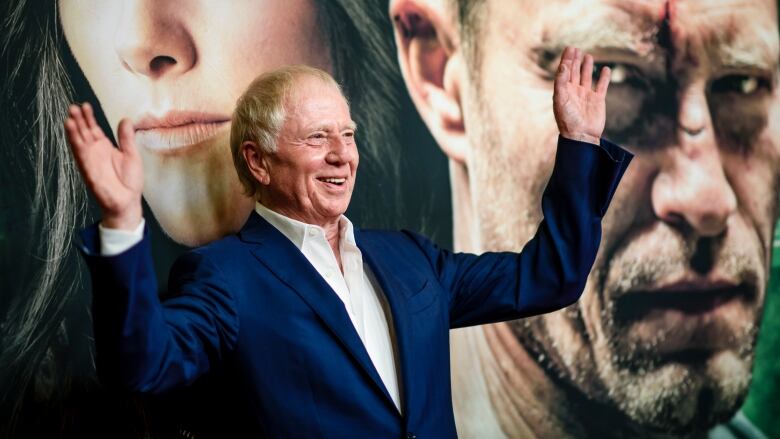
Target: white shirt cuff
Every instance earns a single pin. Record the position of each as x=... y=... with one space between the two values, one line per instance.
x=115 y=241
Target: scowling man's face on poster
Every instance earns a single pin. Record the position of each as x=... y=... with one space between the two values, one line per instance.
x=665 y=331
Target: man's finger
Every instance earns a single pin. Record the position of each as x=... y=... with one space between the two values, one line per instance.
x=564 y=73
x=72 y=133
x=575 y=67
x=603 y=84
x=77 y=146
x=92 y=124
x=78 y=116
x=126 y=134
x=587 y=72
x=568 y=54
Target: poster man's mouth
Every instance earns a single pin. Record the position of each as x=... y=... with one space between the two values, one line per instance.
x=689 y=299
x=680 y=316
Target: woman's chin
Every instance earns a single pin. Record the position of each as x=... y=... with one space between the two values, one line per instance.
x=196 y=198
x=198 y=226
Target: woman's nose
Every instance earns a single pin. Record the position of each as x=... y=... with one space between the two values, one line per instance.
x=153 y=39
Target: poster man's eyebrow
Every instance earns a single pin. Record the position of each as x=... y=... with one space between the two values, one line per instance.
x=751 y=51
x=592 y=38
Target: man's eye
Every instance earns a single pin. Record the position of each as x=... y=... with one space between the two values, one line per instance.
x=318 y=136
x=317 y=139
x=741 y=84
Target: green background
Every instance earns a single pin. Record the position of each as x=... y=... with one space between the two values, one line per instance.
x=763 y=405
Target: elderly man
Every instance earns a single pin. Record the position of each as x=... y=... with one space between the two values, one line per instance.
x=664 y=339
x=314 y=327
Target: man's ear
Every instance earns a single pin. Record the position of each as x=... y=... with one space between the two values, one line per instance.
x=431 y=62
x=257 y=161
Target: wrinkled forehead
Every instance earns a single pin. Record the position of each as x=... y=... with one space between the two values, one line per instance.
x=315 y=103
x=307 y=90
x=735 y=33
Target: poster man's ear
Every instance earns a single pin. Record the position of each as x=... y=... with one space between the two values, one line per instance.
x=432 y=65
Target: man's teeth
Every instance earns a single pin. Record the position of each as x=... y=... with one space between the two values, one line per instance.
x=334 y=180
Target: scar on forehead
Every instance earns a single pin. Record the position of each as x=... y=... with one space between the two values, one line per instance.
x=665 y=27
x=665 y=11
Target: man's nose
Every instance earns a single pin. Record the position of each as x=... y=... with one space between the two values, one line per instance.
x=691 y=186
x=341 y=150
x=153 y=40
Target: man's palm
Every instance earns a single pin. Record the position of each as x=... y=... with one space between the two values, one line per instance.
x=114 y=176
x=580 y=110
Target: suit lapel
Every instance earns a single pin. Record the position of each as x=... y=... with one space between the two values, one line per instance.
x=287 y=262
x=396 y=292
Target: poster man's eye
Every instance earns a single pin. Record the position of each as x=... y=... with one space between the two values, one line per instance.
x=632 y=90
x=746 y=85
x=621 y=73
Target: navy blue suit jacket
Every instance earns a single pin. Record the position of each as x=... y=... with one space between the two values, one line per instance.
x=254 y=316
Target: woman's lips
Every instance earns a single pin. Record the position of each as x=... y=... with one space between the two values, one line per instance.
x=177 y=130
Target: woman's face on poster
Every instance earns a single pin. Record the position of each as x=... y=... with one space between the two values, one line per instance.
x=176 y=68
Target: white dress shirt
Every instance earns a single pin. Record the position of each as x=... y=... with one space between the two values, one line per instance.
x=356 y=286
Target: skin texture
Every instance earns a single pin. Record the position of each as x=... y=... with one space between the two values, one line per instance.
x=147 y=60
x=662 y=340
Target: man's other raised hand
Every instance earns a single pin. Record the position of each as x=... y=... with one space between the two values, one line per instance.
x=580 y=109
x=113 y=175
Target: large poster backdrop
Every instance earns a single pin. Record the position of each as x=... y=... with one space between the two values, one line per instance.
x=457 y=139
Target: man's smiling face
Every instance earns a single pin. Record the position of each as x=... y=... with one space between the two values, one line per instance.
x=312 y=172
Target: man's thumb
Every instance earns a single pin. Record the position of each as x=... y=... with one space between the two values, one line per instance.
x=127 y=137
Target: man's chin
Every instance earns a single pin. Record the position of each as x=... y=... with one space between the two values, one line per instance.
x=680 y=396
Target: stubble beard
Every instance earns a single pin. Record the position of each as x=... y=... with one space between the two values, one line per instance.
x=684 y=393
x=606 y=372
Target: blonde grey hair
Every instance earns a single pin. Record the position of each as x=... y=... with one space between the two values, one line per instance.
x=260 y=113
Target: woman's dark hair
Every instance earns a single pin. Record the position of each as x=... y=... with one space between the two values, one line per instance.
x=45 y=328
x=43 y=203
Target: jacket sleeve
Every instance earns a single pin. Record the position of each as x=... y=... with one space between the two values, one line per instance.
x=143 y=344
x=551 y=270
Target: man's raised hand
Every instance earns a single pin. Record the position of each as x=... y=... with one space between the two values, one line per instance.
x=114 y=176
x=580 y=110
